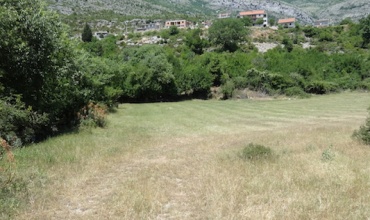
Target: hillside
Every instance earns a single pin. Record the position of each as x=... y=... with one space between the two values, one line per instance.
x=305 y=11
x=336 y=9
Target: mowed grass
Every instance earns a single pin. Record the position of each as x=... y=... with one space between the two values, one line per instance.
x=180 y=161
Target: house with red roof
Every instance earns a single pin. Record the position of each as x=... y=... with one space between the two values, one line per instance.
x=287 y=22
x=258 y=17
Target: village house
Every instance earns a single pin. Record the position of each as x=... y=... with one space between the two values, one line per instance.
x=150 y=26
x=224 y=15
x=287 y=22
x=322 y=23
x=258 y=17
x=178 y=23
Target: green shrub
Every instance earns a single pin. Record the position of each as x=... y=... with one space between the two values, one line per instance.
x=18 y=124
x=296 y=92
x=228 y=89
x=363 y=133
x=321 y=87
x=365 y=84
x=256 y=152
x=92 y=115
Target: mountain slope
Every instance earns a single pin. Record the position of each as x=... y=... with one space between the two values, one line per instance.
x=306 y=11
x=335 y=9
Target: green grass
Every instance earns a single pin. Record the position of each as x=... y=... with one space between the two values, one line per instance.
x=181 y=160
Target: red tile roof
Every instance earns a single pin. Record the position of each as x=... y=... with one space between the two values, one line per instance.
x=255 y=12
x=286 y=20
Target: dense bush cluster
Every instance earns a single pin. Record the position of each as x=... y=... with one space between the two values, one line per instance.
x=45 y=81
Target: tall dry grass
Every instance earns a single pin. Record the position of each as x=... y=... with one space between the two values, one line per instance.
x=180 y=161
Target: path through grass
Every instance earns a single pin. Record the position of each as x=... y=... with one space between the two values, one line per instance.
x=179 y=161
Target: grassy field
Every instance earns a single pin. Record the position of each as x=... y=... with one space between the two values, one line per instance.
x=180 y=161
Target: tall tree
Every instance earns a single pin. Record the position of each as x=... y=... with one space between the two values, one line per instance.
x=194 y=41
x=87 y=33
x=365 y=30
x=37 y=60
x=227 y=33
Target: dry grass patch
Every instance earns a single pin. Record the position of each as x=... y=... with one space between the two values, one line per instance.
x=180 y=161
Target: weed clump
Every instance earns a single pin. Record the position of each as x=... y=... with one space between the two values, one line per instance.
x=256 y=152
x=327 y=155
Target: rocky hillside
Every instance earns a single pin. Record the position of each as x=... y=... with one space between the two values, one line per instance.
x=306 y=11
x=334 y=9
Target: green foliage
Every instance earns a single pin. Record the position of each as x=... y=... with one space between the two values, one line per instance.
x=40 y=65
x=288 y=44
x=86 y=35
x=272 y=22
x=255 y=152
x=321 y=87
x=365 y=30
x=174 y=30
x=194 y=41
x=227 y=89
x=295 y=92
x=105 y=47
x=259 y=21
x=227 y=33
x=346 y=21
x=247 y=21
x=37 y=61
x=19 y=124
x=194 y=79
x=92 y=115
x=326 y=36
x=165 y=34
x=152 y=76
x=363 y=133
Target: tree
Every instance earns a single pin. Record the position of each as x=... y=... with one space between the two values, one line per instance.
x=259 y=21
x=174 y=30
x=38 y=62
x=365 y=30
x=86 y=33
x=288 y=44
x=271 y=21
x=152 y=76
x=227 y=33
x=194 y=41
x=247 y=21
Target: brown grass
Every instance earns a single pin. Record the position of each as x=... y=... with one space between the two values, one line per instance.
x=179 y=161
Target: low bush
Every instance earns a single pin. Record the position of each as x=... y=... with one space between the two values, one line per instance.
x=20 y=125
x=321 y=87
x=295 y=92
x=93 y=115
x=256 y=152
x=363 y=133
x=228 y=89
